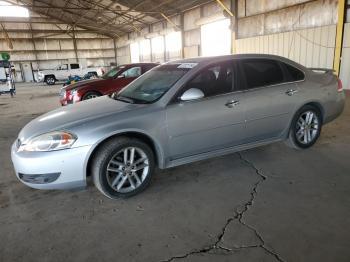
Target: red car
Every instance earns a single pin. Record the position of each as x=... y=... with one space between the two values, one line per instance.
x=113 y=81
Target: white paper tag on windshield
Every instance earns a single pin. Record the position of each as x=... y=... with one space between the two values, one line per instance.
x=187 y=65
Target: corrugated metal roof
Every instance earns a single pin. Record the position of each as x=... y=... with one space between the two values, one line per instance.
x=110 y=17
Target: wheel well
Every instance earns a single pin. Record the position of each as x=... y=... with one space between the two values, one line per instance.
x=93 y=91
x=144 y=138
x=318 y=106
x=46 y=76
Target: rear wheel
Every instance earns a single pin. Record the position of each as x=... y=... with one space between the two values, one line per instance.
x=90 y=95
x=306 y=128
x=50 y=80
x=123 y=167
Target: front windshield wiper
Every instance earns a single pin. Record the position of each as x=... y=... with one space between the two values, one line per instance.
x=124 y=99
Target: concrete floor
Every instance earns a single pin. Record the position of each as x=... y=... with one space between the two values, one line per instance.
x=267 y=204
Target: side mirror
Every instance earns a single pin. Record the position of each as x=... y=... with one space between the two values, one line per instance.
x=192 y=94
x=121 y=76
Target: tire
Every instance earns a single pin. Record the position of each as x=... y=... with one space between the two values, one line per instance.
x=50 y=80
x=111 y=173
x=305 y=128
x=90 y=95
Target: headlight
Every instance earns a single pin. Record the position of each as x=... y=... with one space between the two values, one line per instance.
x=49 y=142
x=75 y=96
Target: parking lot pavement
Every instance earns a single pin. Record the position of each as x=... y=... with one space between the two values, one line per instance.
x=266 y=204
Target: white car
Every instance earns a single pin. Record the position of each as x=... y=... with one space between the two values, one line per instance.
x=62 y=72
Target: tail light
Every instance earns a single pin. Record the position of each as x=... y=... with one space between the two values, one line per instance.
x=340 y=85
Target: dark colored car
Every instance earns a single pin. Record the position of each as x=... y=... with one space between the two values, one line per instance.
x=113 y=81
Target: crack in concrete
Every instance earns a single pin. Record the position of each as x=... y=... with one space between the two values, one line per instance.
x=238 y=216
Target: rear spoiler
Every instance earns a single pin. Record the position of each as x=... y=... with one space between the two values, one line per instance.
x=325 y=70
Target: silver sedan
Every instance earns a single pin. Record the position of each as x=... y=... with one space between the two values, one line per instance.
x=177 y=113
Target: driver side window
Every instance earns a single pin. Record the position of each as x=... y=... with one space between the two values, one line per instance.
x=214 y=80
x=132 y=72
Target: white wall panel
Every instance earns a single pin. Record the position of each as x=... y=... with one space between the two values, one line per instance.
x=312 y=47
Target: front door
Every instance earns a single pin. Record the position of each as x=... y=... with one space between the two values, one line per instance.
x=211 y=123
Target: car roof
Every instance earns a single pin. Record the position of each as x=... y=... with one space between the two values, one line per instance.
x=214 y=59
x=140 y=64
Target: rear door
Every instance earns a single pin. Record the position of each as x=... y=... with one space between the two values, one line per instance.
x=62 y=72
x=211 y=123
x=75 y=69
x=270 y=98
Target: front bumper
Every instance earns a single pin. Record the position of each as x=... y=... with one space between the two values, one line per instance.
x=40 y=78
x=62 y=169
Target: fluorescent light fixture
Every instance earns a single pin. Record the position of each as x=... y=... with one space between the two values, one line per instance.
x=8 y=10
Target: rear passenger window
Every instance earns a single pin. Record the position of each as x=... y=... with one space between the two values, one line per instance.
x=262 y=72
x=74 y=66
x=294 y=74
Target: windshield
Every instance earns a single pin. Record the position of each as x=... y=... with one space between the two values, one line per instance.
x=113 y=72
x=153 y=85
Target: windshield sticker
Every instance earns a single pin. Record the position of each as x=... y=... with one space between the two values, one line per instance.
x=187 y=65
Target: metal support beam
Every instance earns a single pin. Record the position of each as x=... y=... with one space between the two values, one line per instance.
x=182 y=35
x=234 y=25
x=339 y=36
x=7 y=37
x=225 y=7
x=170 y=22
x=75 y=46
x=115 y=51
x=32 y=40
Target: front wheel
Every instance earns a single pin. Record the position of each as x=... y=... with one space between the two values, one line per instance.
x=122 y=167
x=306 y=128
x=90 y=95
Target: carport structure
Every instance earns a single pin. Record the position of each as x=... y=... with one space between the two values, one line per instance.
x=266 y=204
x=107 y=32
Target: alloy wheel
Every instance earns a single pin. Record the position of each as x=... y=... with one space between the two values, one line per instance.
x=127 y=169
x=90 y=96
x=307 y=127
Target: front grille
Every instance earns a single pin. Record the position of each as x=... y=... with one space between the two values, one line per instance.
x=39 y=178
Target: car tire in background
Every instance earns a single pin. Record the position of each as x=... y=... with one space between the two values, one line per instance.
x=50 y=80
x=90 y=95
x=122 y=167
x=305 y=128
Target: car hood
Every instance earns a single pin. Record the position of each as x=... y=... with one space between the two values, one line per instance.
x=74 y=115
x=81 y=84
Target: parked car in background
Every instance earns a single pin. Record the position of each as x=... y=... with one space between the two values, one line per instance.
x=112 y=81
x=62 y=72
x=179 y=112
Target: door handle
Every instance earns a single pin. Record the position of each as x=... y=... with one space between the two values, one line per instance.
x=232 y=103
x=291 y=92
